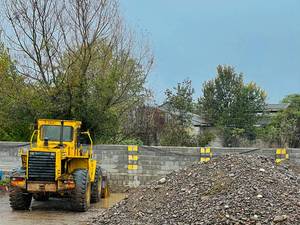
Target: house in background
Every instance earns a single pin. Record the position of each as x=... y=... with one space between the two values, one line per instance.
x=269 y=112
x=200 y=124
x=147 y=122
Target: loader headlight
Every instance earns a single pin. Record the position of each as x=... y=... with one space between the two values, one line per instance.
x=18 y=182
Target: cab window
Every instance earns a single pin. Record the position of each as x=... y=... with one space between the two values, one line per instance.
x=52 y=133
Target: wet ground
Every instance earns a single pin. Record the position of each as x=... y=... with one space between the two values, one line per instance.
x=54 y=211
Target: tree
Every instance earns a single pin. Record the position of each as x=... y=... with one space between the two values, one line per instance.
x=79 y=61
x=45 y=31
x=231 y=105
x=145 y=123
x=116 y=90
x=179 y=101
x=178 y=129
x=179 y=105
x=14 y=94
x=293 y=100
x=284 y=129
x=292 y=115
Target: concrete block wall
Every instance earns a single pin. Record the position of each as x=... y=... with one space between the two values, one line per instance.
x=156 y=161
x=153 y=161
x=9 y=154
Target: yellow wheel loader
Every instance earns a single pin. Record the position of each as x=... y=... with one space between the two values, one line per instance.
x=58 y=165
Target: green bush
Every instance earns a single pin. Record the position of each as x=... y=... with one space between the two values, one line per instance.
x=4 y=182
x=132 y=141
x=205 y=138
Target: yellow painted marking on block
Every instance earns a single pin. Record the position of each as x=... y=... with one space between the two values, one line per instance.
x=202 y=150
x=132 y=148
x=207 y=150
x=278 y=151
x=281 y=155
x=204 y=159
x=133 y=157
x=205 y=154
x=132 y=167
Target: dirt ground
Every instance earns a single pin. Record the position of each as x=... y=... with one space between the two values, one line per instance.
x=54 y=211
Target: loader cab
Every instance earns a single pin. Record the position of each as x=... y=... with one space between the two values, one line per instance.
x=57 y=133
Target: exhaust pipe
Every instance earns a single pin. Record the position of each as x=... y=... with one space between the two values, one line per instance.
x=61 y=138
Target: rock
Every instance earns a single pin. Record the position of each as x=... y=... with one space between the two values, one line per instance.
x=259 y=196
x=281 y=218
x=254 y=217
x=262 y=170
x=162 y=180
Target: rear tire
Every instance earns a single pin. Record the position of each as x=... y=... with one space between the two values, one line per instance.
x=81 y=194
x=41 y=197
x=19 y=200
x=97 y=186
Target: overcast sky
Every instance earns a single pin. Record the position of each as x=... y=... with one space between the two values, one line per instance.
x=260 y=38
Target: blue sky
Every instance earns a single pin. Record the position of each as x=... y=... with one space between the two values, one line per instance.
x=260 y=38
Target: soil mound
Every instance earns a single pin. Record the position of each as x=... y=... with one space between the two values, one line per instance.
x=230 y=189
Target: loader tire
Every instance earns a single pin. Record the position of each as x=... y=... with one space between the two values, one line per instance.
x=41 y=197
x=81 y=194
x=19 y=200
x=97 y=186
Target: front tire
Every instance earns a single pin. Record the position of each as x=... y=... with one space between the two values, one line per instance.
x=19 y=200
x=81 y=195
x=97 y=186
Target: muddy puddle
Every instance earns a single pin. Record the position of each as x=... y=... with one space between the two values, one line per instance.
x=54 y=211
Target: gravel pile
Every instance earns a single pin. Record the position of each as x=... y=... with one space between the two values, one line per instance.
x=227 y=190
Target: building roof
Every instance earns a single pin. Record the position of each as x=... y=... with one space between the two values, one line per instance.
x=197 y=120
x=276 y=107
x=200 y=121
